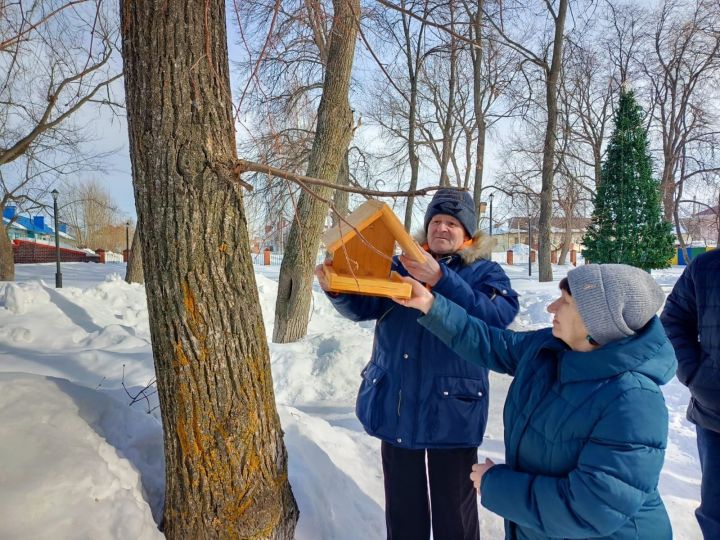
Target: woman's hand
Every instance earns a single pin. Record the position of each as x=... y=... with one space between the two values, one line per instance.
x=478 y=471
x=428 y=271
x=421 y=298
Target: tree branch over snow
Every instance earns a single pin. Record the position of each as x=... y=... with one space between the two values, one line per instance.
x=243 y=166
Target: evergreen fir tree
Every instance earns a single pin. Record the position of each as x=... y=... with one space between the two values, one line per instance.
x=627 y=224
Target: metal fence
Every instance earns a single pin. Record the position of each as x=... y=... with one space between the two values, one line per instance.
x=269 y=258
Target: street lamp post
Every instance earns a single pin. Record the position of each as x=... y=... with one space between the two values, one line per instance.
x=58 y=274
x=491 y=199
x=127 y=239
x=482 y=206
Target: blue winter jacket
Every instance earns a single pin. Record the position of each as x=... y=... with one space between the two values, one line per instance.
x=692 y=321
x=415 y=392
x=585 y=432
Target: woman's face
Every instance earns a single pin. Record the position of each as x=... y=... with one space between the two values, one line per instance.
x=567 y=323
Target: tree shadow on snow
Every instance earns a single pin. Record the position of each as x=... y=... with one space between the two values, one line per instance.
x=78 y=315
x=135 y=435
x=332 y=505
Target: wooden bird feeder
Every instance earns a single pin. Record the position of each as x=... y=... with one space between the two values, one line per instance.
x=359 y=268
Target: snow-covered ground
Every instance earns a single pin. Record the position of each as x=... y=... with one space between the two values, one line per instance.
x=77 y=461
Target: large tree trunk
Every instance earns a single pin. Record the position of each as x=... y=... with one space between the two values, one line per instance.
x=7 y=264
x=134 y=273
x=567 y=241
x=332 y=136
x=548 y=165
x=226 y=465
x=597 y=166
x=479 y=165
x=414 y=59
x=412 y=152
x=667 y=185
x=678 y=226
x=341 y=198
x=480 y=124
x=447 y=130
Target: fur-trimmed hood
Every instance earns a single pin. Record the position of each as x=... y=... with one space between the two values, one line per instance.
x=481 y=247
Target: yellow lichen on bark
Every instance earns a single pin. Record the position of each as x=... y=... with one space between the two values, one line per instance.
x=253 y=515
x=195 y=321
x=189 y=300
x=182 y=437
x=187 y=446
x=181 y=358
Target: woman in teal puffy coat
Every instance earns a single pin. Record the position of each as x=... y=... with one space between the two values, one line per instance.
x=585 y=420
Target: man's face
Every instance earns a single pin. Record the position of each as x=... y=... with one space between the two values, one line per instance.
x=445 y=234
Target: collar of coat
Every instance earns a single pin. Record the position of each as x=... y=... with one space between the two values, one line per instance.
x=480 y=246
x=647 y=352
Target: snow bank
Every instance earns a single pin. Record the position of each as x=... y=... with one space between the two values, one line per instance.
x=72 y=467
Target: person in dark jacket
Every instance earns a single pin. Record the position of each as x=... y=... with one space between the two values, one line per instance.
x=692 y=321
x=585 y=420
x=428 y=406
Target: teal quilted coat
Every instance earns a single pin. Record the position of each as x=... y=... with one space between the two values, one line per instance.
x=585 y=432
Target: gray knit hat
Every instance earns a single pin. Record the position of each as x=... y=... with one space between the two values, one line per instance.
x=614 y=300
x=458 y=204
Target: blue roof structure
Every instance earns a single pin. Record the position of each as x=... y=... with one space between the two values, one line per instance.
x=35 y=225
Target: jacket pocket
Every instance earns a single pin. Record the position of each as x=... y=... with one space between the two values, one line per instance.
x=460 y=414
x=368 y=403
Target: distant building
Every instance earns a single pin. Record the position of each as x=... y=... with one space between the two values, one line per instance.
x=701 y=228
x=34 y=229
x=516 y=232
x=276 y=235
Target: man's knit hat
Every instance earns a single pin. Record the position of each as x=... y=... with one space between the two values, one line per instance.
x=614 y=300
x=458 y=204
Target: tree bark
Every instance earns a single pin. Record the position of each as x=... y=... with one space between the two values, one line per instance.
x=480 y=124
x=225 y=461
x=548 y=165
x=567 y=240
x=134 y=273
x=667 y=181
x=479 y=165
x=447 y=128
x=332 y=136
x=7 y=263
x=413 y=158
x=676 y=223
x=341 y=198
x=414 y=168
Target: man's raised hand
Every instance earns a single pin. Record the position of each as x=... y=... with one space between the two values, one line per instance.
x=421 y=298
x=427 y=272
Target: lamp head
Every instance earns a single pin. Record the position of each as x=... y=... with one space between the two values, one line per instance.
x=55 y=194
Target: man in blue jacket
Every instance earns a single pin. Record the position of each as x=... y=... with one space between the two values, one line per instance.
x=421 y=407
x=692 y=321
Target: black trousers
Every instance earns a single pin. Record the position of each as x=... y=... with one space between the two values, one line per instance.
x=453 y=499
